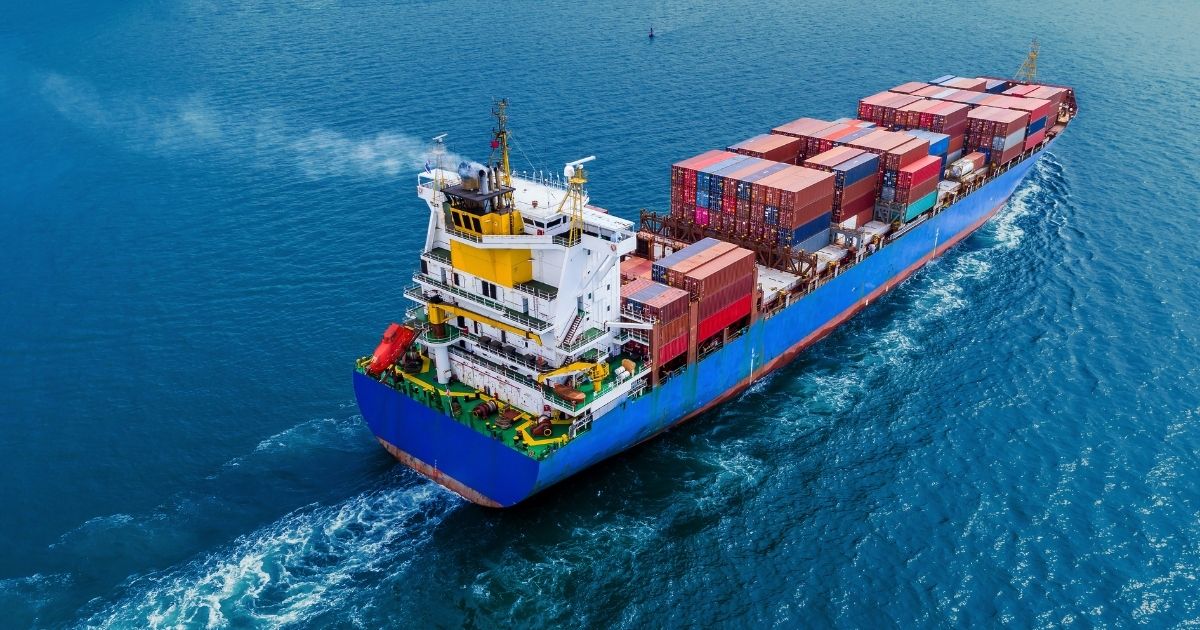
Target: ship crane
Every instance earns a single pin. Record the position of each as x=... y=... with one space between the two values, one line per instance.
x=597 y=372
x=1028 y=70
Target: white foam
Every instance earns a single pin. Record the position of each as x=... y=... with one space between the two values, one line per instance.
x=300 y=566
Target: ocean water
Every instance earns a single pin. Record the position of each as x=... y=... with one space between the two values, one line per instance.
x=207 y=211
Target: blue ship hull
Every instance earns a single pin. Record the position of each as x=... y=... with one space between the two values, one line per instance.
x=491 y=473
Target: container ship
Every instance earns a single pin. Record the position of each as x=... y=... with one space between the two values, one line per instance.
x=548 y=334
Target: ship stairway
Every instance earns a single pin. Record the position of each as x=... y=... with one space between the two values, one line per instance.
x=574 y=328
x=580 y=424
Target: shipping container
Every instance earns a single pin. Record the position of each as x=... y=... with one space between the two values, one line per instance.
x=721 y=320
x=920 y=171
x=1034 y=139
x=678 y=270
x=802 y=233
x=814 y=242
x=659 y=268
x=768 y=146
x=910 y=87
x=662 y=304
x=996 y=86
x=635 y=268
x=963 y=83
x=921 y=205
x=673 y=348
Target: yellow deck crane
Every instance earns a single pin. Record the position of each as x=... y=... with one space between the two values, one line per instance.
x=597 y=372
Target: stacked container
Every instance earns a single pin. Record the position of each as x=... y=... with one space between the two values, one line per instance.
x=718 y=276
x=795 y=203
x=855 y=184
x=909 y=88
x=1042 y=103
x=939 y=143
x=723 y=289
x=803 y=128
x=687 y=258
x=882 y=108
x=997 y=133
x=963 y=83
x=635 y=268
x=942 y=93
x=684 y=181
x=768 y=146
x=916 y=183
x=751 y=198
x=942 y=117
x=666 y=307
x=895 y=148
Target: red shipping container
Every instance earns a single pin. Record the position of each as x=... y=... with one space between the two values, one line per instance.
x=856 y=205
x=919 y=171
x=910 y=87
x=723 y=318
x=1033 y=140
x=963 y=83
x=672 y=349
x=1020 y=90
x=802 y=127
x=721 y=271
x=831 y=158
x=911 y=151
x=856 y=190
x=916 y=191
x=775 y=147
x=634 y=268
x=725 y=296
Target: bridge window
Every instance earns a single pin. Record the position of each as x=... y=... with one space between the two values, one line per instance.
x=489 y=289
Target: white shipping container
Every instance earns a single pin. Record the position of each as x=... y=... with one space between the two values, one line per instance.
x=1014 y=138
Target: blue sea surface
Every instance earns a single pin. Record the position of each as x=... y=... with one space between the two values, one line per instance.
x=208 y=211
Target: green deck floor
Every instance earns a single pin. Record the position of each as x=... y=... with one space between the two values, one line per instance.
x=472 y=398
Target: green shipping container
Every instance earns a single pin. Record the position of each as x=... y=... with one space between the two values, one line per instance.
x=921 y=205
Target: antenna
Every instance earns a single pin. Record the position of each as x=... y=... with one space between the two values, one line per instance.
x=439 y=149
x=576 y=178
x=1028 y=70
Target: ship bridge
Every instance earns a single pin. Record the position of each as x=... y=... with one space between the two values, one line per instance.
x=520 y=279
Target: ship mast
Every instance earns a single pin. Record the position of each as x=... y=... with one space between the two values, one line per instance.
x=439 y=150
x=500 y=141
x=576 y=178
x=1028 y=70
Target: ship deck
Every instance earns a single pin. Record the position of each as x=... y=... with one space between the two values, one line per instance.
x=422 y=386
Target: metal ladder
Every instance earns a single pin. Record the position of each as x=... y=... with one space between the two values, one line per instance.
x=567 y=338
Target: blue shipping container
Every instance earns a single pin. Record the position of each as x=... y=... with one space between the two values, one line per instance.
x=814 y=242
x=939 y=143
x=851 y=137
x=858 y=168
x=812 y=227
